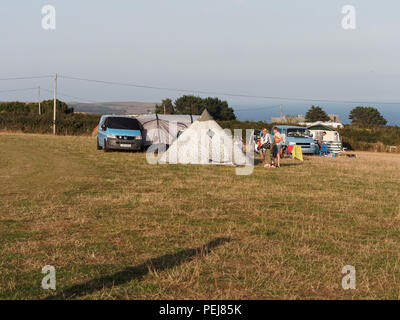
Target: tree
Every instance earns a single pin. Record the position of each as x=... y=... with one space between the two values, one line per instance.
x=367 y=116
x=48 y=105
x=166 y=107
x=218 y=109
x=188 y=104
x=316 y=113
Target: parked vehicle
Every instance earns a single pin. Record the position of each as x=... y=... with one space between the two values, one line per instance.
x=119 y=133
x=300 y=136
x=331 y=138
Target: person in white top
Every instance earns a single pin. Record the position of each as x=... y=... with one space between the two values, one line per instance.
x=267 y=144
x=278 y=145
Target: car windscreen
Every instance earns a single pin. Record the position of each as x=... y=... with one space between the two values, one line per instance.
x=122 y=123
x=297 y=132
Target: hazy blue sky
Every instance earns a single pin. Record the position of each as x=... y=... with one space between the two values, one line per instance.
x=258 y=47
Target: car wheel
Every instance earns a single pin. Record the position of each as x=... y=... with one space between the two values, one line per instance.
x=105 y=146
x=98 y=146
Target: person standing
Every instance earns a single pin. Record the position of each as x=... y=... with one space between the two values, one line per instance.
x=267 y=144
x=259 y=144
x=321 y=139
x=278 y=145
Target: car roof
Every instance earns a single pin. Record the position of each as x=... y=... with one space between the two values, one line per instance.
x=290 y=127
x=116 y=116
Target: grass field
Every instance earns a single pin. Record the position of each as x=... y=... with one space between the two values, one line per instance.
x=116 y=227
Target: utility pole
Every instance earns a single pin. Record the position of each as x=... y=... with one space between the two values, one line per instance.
x=164 y=107
x=55 y=104
x=40 y=111
x=281 y=112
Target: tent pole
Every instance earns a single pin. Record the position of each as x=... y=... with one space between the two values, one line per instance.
x=158 y=128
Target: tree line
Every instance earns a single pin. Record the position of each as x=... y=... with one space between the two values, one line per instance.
x=188 y=104
x=361 y=116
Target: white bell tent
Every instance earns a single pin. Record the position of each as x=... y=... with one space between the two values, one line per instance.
x=205 y=142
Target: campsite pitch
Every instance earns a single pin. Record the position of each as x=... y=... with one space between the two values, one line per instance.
x=116 y=227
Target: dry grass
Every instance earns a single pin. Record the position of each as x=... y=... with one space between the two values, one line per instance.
x=116 y=227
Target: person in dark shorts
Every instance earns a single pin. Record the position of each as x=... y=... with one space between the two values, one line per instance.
x=278 y=145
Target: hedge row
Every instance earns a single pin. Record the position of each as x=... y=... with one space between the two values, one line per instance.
x=24 y=117
x=66 y=124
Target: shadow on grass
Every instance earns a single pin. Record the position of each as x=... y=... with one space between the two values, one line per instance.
x=158 y=264
x=284 y=163
x=291 y=164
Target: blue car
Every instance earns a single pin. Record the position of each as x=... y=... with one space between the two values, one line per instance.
x=119 y=133
x=300 y=136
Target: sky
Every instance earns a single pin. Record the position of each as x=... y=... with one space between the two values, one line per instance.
x=286 y=48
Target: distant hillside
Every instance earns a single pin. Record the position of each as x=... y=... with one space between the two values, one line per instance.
x=128 y=107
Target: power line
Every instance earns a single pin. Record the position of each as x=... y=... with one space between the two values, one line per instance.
x=76 y=97
x=68 y=95
x=240 y=95
x=14 y=90
x=229 y=94
x=24 y=78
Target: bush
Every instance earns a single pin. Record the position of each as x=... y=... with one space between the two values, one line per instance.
x=370 y=139
x=24 y=117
